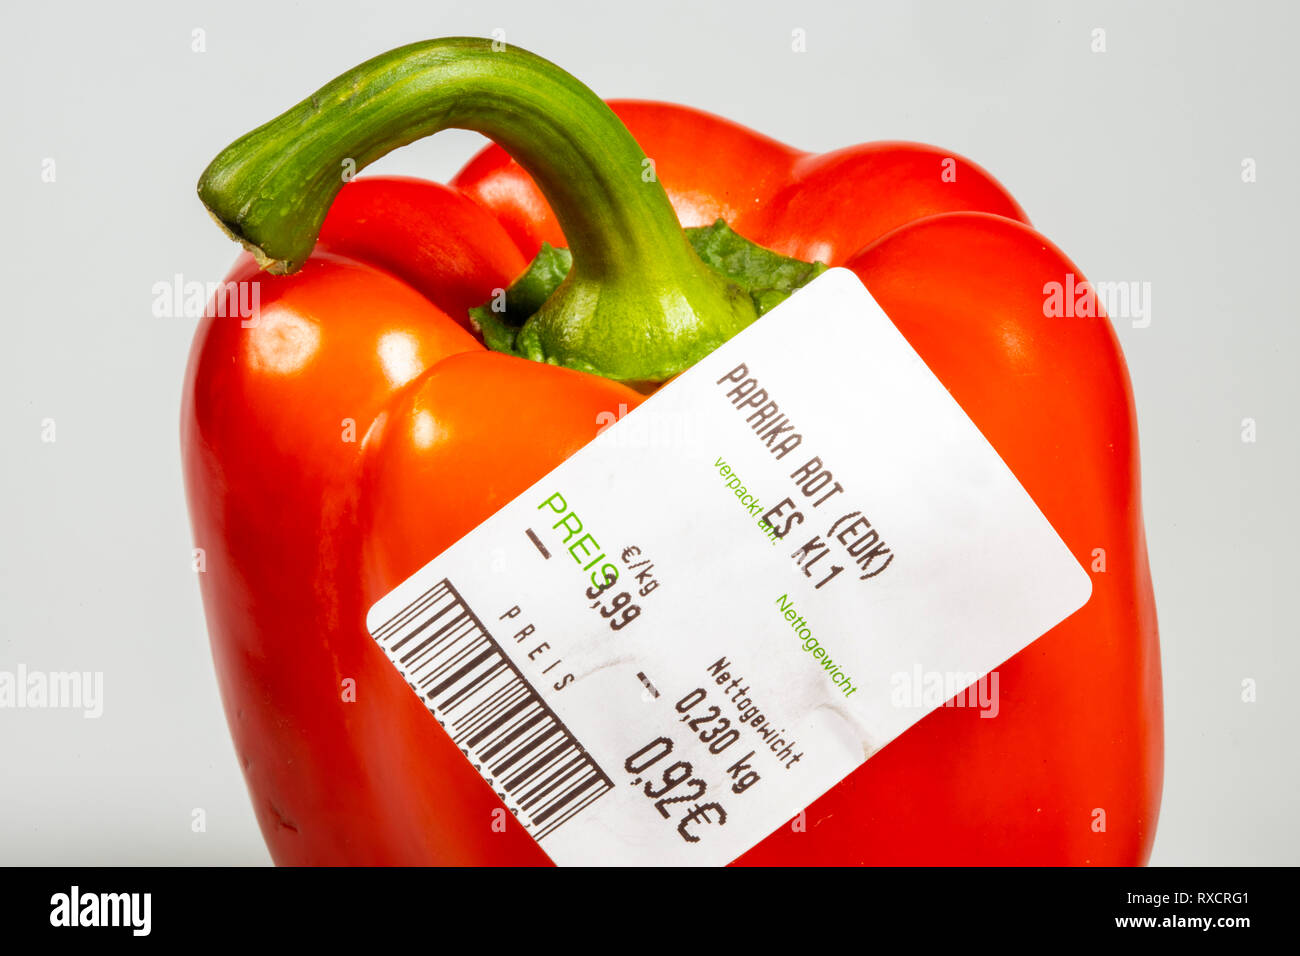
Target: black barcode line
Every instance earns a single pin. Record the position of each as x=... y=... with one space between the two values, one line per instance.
x=532 y=768
x=413 y=611
x=435 y=674
x=454 y=628
x=538 y=738
x=507 y=698
x=494 y=715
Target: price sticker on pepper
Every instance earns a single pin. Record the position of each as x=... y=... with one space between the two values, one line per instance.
x=654 y=660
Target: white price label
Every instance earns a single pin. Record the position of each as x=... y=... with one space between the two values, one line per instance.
x=696 y=625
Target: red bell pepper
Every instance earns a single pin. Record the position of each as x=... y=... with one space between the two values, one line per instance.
x=357 y=426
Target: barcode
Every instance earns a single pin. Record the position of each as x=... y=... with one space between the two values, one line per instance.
x=491 y=711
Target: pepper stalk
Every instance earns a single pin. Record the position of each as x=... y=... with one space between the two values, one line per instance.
x=638 y=304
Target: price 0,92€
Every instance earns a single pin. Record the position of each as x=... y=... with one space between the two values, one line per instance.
x=674 y=791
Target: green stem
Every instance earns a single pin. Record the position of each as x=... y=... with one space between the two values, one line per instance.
x=638 y=304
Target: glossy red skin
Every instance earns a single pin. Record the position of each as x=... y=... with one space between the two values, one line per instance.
x=303 y=531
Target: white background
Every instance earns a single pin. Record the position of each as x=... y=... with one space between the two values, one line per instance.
x=1130 y=160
